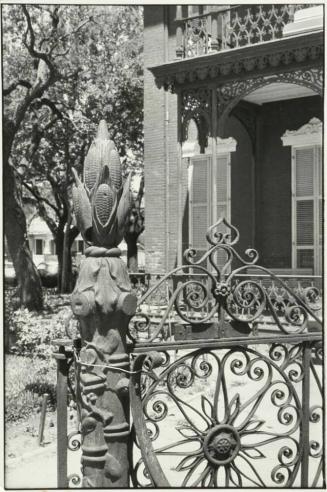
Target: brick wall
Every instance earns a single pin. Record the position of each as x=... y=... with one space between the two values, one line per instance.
x=160 y=146
x=154 y=149
x=261 y=200
x=241 y=183
x=273 y=200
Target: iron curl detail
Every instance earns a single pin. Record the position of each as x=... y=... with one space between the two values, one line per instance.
x=74 y=441
x=210 y=290
x=74 y=480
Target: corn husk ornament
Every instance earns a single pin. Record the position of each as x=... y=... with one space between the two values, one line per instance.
x=102 y=203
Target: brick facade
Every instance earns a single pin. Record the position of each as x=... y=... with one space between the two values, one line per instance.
x=260 y=170
x=273 y=196
x=160 y=141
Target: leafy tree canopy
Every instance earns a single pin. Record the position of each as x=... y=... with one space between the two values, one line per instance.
x=88 y=61
x=102 y=47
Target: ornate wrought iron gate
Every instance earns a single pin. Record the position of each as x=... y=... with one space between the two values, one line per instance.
x=227 y=383
x=225 y=378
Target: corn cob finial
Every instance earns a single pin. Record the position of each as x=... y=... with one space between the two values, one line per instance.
x=101 y=202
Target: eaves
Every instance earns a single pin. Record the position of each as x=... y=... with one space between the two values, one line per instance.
x=285 y=54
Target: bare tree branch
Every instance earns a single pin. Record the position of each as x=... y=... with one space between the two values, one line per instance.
x=31 y=44
x=14 y=85
x=44 y=101
x=71 y=33
x=35 y=192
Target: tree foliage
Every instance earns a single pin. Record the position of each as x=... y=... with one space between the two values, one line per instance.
x=87 y=63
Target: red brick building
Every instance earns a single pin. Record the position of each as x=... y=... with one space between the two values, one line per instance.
x=233 y=126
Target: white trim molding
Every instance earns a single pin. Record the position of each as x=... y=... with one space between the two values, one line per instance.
x=309 y=134
x=225 y=145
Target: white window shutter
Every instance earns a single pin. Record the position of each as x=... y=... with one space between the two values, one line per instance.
x=306 y=208
x=223 y=199
x=209 y=199
x=199 y=199
x=304 y=160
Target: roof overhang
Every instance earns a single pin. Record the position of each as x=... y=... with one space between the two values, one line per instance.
x=280 y=55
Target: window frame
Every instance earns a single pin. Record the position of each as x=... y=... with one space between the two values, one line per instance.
x=36 y=246
x=317 y=195
x=212 y=202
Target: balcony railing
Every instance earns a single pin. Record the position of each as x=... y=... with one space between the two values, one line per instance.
x=224 y=28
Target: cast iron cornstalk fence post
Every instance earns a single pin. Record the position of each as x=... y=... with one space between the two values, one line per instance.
x=103 y=304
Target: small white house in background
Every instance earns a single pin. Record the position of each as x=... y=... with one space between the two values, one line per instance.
x=43 y=247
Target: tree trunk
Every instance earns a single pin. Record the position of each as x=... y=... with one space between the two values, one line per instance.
x=131 y=241
x=64 y=242
x=28 y=279
x=59 y=240
x=66 y=274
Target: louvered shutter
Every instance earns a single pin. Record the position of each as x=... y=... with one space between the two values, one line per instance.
x=304 y=206
x=223 y=198
x=199 y=202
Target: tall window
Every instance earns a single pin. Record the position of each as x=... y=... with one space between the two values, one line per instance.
x=53 y=247
x=307 y=208
x=306 y=196
x=80 y=245
x=38 y=246
x=209 y=192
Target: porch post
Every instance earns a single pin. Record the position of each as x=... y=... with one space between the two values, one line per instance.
x=180 y=180
x=103 y=304
x=214 y=153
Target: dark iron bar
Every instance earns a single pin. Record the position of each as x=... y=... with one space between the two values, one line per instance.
x=225 y=343
x=62 y=441
x=306 y=413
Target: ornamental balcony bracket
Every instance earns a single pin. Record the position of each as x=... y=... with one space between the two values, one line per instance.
x=232 y=92
x=262 y=59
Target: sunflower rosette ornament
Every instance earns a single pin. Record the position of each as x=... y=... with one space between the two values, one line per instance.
x=101 y=202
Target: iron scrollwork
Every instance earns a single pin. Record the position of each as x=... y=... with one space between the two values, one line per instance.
x=197 y=301
x=228 y=431
x=316 y=430
x=208 y=417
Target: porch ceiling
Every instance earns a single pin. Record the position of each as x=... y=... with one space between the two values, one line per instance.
x=278 y=92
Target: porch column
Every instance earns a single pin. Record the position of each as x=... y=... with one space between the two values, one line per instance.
x=214 y=152
x=180 y=180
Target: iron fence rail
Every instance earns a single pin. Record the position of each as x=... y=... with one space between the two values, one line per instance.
x=258 y=336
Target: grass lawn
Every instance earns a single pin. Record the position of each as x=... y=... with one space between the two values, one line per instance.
x=25 y=381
